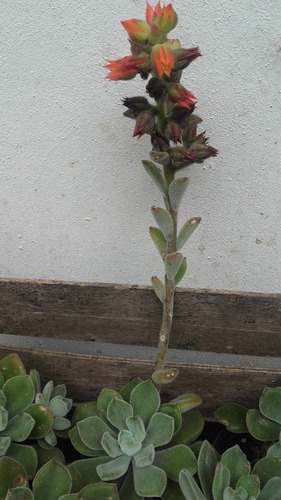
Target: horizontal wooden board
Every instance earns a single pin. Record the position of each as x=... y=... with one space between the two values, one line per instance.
x=220 y=321
x=87 y=368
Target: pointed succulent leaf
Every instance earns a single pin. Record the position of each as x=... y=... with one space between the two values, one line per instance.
x=172 y=491
x=58 y=407
x=118 y=411
x=44 y=455
x=165 y=376
x=1 y=380
x=160 y=430
x=127 y=490
x=128 y=444
x=26 y=456
x=104 y=399
x=84 y=410
x=266 y=468
x=274 y=450
x=91 y=430
x=233 y=416
x=19 y=392
x=231 y=494
x=271 y=490
x=35 y=379
x=80 y=446
x=192 y=426
x=19 y=427
x=61 y=424
x=159 y=240
x=127 y=389
x=50 y=438
x=43 y=420
x=176 y=191
x=87 y=468
x=181 y=272
x=145 y=457
x=156 y=174
x=12 y=475
x=3 y=418
x=251 y=484
x=52 y=481
x=261 y=427
x=2 y=399
x=173 y=262
x=160 y=157
x=158 y=288
x=19 y=493
x=189 y=486
x=186 y=402
x=114 y=469
x=173 y=460
x=5 y=442
x=59 y=390
x=11 y=366
x=99 y=491
x=145 y=391
x=207 y=462
x=136 y=426
x=237 y=464
x=172 y=411
x=187 y=230
x=164 y=221
x=46 y=393
x=221 y=481
x=76 y=478
x=149 y=481
x=110 y=445
x=270 y=403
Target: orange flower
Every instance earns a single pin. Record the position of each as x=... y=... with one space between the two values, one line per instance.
x=164 y=17
x=136 y=29
x=152 y=14
x=127 y=67
x=163 y=59
x=181 y=96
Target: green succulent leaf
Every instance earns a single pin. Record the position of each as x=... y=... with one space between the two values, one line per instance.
x=4 y=444
x=145 y=391
x=189 y=486
x=231 y=494
x=80 y=446
x=160 y=430
x=187 y=230
x=46 y=393
x=176 y=191
x=43 y=420
x=173 y=460
x=2 y=399
x=44 y=455
x=270 y=403
x=87 y=469
x=274 y=450
x=159 y=240
x=1 y=380
x=127 y=490
x=160 y=157
x=181 y=272
x=266 y=468
x=156 y=174
x=136 y=426
x=58 y=407
x=99 y=491
x=26 y=456
x=127 y=389
x=145 y=457
x=76 y=479
x=118 y=411
x=233 y=416
x=271 y=490
x=237 y=464
x=207 y=462
x=19 y=427
x=172 y=491
x=12 y=474
x=165 y=376
x=35 y=379
x=149 y=481
x=19 y=392
x=104 y=399
x=12 y=366
x=114 y=469
x=3 y=419
x=59 y=391
x=84 y=410
x=159 y=288
x=221 y=481
x=261 y=427
x=91 y=430
x=164 y=221
x=186 y=402
x=251 y=484
x=61 y=424
x=51 y=438
x=192 y=426
x=128 y=444
x=52 y=481
x=19 y=493
x=173 y=411
x=110 y=445
x=173 y=262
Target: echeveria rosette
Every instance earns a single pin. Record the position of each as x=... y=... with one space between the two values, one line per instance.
x=124 y=432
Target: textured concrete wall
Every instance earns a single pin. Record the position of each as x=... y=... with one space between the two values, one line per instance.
x=75 y=201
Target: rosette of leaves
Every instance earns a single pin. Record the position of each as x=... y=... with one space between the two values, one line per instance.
x=54 y=398
x=136 y=440
x=20 y=418
x=229 y=478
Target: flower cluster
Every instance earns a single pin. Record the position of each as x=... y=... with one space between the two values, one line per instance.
x=163 y=59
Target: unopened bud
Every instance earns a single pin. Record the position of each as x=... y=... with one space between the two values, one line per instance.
x=144 y=124
x=183 y=57
x=173 y=132
x=136 y=104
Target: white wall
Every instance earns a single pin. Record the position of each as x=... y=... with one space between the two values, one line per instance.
x=75 y=200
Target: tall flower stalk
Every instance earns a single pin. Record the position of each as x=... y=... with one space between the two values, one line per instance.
x=171 y=123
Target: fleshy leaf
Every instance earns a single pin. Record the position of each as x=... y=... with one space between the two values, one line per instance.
x=84 y=410
x=127 y=490
x=262 y=428
x=128 y=443
x=44 y=455
x=172 y=491
x=181 y=272
x=270 y=403
x=187 y=230
x=160 y=157
x=3 y=418
x=2 y=399
x=186 y=402
x=19 y=493
x=46 y=393
x=91 y=430
x=98 y=491
x=233 y=416
x=165 y=376
x=249 y=483
x=26 y=456
x=114 y=469
x=155 y=174
x=87 y=468
x=80 y=446
x=274 y=450
x=158 y=288
x=207 y=462
x=177 y=189
x=160 y=430
x=127 y=389
x=12 y=475
x=221 y=481
x=35 y=379
x=145 y=391
x=12 y=366
x=61 y=424
x=149 y=481
x=104 y=399
x=173 y=460
x=189 y=486
x=136 y=426
x=4 y=444
x=110 y=445
x=59 y=390
x=192 y=426
x=237 y=464
x=118 y=411
x=145 y=457
x=173 y=262
x=52 y=481
x=266 y=468
x=159 y=240
x=43 y=420
x=172 y=411
x=19 y=427
x=22 y=387
x=58 y=407
x=271 y=490
x=164 y=221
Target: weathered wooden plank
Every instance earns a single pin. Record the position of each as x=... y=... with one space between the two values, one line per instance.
x=86 y=368
x=247 y=323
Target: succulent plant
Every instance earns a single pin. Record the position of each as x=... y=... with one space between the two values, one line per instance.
x=227 y=479
x=128 y=434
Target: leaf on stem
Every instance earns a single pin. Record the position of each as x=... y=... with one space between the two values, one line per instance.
x=160 y=157
x=164 y=221
x=165 y=376
x=181 y=272
x=176 y=191
x=187 y=230
x=173 y=262
x=155 y=174
x=159 y=240
x=158 y=288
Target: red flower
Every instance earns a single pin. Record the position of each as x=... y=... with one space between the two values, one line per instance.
x=163 y=59
x=181 y=96
x=137 y=30
x=127 y=67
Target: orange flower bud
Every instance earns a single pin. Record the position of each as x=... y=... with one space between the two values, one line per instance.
x=163 y=59
x=180 y=95
x=137 y=30
x=127 y=67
